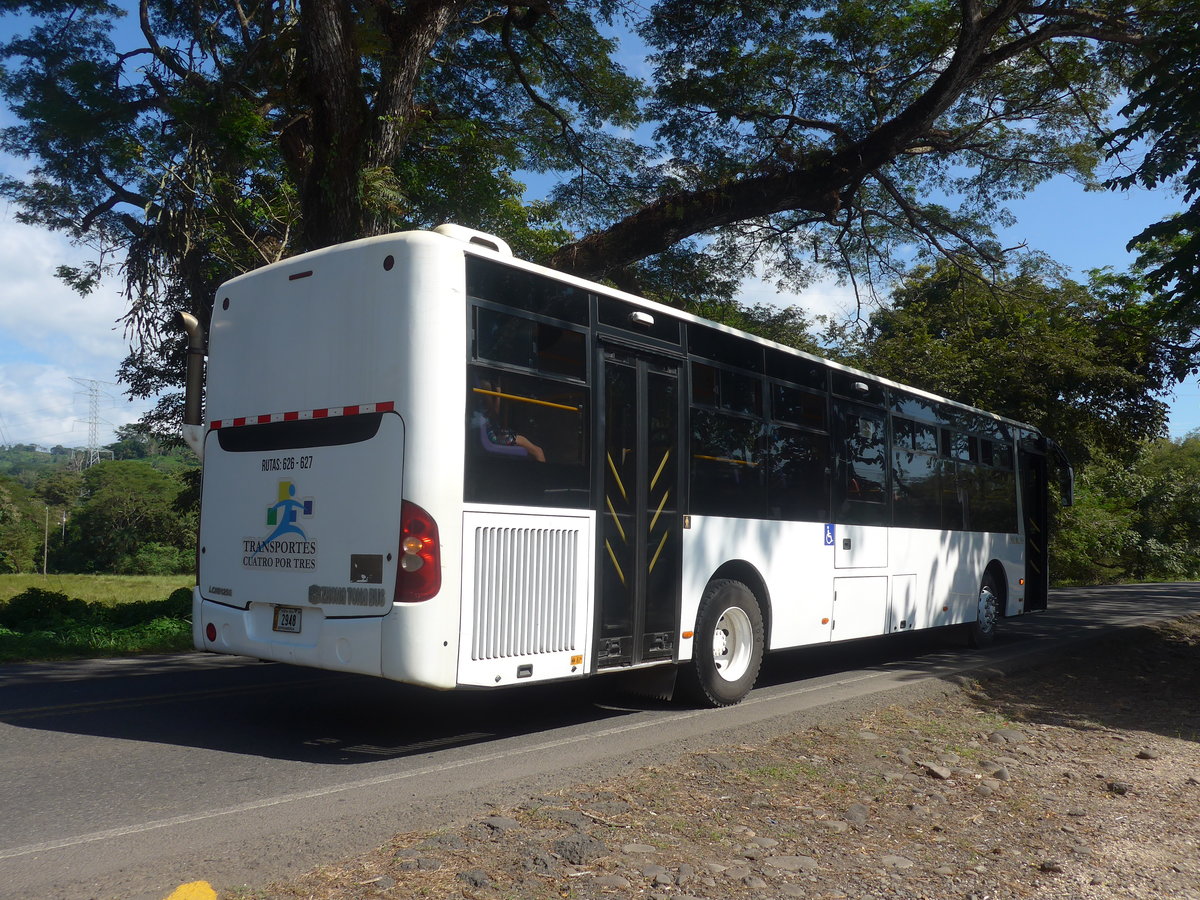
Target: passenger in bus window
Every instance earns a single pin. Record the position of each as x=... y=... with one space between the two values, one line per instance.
x=495 y=438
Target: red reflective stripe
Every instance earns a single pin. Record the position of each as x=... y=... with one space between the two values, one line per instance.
x=328 y=412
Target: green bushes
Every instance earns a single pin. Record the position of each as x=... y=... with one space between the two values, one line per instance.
x=40 y=624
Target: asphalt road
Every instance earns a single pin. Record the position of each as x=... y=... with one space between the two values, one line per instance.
x=126 y=778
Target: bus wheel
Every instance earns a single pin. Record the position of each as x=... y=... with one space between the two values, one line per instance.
x=728 y=648
x=982 y=631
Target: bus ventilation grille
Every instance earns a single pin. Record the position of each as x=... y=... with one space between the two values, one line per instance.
x=525 y=591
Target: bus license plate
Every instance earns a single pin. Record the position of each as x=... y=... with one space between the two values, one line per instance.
x=287 y=618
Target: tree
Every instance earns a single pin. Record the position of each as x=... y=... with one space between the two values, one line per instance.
x=849 y=126
x=134 y=442
x=849 y=131
x=1164 y=116
x=1137 y=518
x=20 y=529
x=127 y=519
x=1081 y=362
x=60 y=487
x=231 y=135
x=1169 y=511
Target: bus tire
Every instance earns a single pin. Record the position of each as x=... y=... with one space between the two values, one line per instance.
x=728 y=648
x=982 y=631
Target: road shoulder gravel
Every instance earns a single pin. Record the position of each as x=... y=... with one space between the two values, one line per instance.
x=1078 y=779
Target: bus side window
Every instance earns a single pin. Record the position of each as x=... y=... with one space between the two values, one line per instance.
x=526 y=440
x=728 y=471
x=862 y=465
x=798 y=475
x=916 y=488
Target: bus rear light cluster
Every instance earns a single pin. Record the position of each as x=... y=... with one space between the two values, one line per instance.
x=419 y=575
x=210 y=632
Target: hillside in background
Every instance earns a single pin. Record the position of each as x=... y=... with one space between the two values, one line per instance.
x=133 y=512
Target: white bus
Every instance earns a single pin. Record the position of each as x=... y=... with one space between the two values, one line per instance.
x=427 y=460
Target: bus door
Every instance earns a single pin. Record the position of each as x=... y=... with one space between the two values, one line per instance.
x=1035 y=518
x=638 y=557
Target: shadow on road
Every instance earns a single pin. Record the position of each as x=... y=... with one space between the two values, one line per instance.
x=1143 y=679
x=274 y=711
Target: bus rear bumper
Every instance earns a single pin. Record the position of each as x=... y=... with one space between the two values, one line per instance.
x=337 y=644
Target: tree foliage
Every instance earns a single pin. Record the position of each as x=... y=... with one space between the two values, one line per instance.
x=221 y=136
x=20 y=536
x=859 y=128
x=128 y=523
x=134 y=517
x=1164 y=118
x=1137 y=518
x=1085 y=363
x=796 y=134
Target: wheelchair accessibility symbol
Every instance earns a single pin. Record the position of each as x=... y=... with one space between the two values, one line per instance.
x=829 y=536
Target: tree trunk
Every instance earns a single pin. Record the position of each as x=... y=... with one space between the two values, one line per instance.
x=331 y=193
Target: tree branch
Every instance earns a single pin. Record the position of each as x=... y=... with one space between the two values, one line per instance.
x=820 y=182
x=167 y=59
x=921 y=227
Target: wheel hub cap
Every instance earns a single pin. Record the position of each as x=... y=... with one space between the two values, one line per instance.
x=733 y=644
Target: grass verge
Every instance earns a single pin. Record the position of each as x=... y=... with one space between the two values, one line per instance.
x=108 y=590
x=39 y=624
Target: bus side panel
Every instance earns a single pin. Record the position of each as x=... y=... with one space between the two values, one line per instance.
x=793 y=558
x=1014 y=573
x=949 y=567
x=420 y=639
x=932 y=578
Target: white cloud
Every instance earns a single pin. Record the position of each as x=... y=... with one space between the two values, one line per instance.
x=822 y=298
x=41 y=313
x=49 y=335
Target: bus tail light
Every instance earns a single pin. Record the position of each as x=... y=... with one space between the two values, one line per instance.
x=419 y=575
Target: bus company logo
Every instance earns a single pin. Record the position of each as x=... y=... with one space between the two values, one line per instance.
x=287 y=546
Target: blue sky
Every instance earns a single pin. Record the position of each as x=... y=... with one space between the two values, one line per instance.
x=49 y=336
